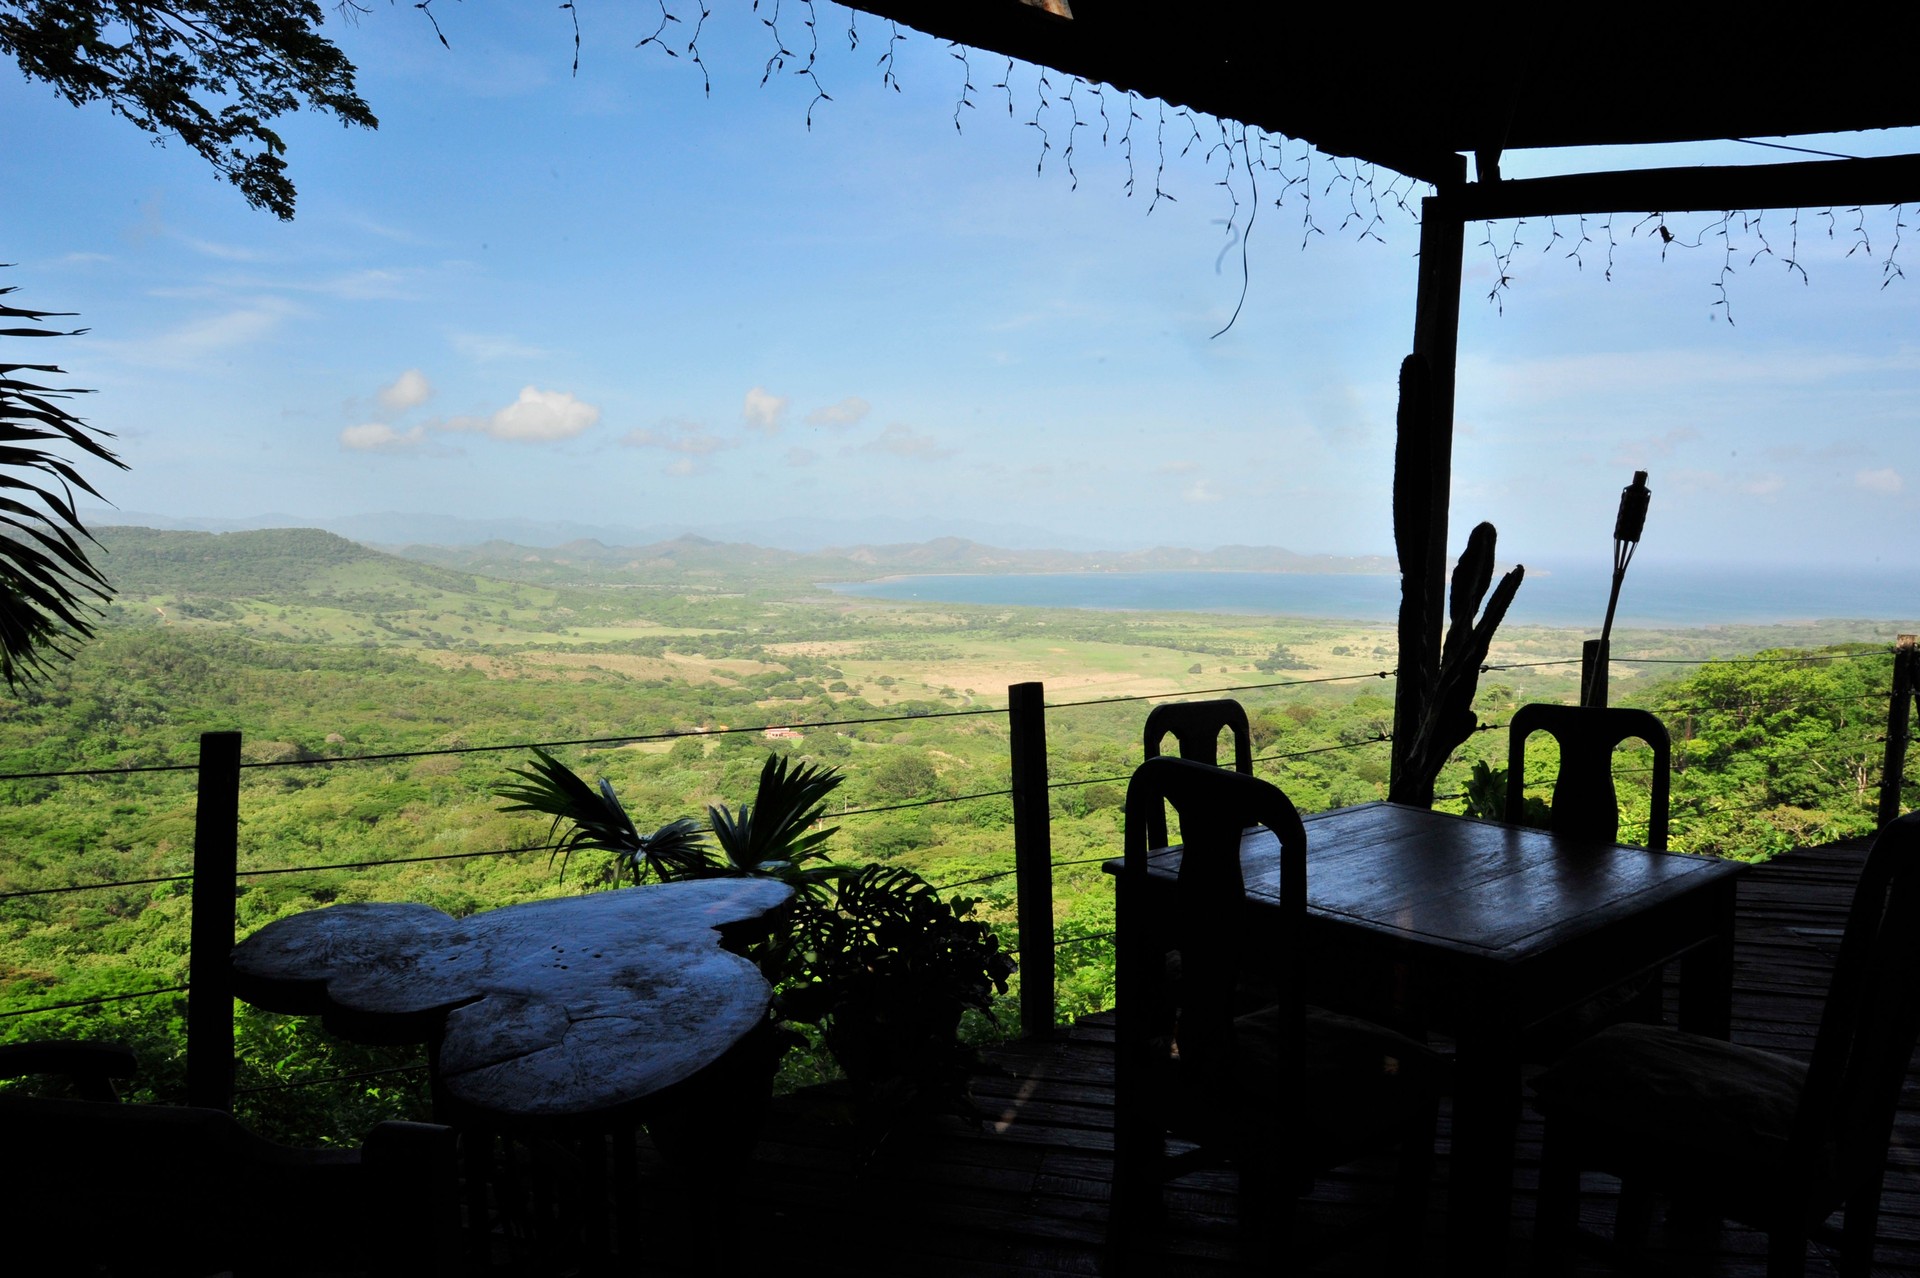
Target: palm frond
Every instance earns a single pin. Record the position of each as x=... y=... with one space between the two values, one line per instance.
x=596 y=820
x=50 y=591
x=774 y=827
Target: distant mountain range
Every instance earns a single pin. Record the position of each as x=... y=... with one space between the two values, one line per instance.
x=795 y=532
x=592 y=561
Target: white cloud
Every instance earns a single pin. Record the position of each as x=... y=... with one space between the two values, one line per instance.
x=763 y=410
x=1763 y=485
x=367 y=285
x=211 y=337
x=378 y=437
x=1556 y=378
x=1636 y=452
x=224 y=252
x=1885 y=481
x=850 y=411
x=801 y=457
x=361 y=221
x=536 y=417
x=904 y=441
x=491 y=348
x=682 y=466
x=690 y=438
x=1177 y=467
x=409 y=390
x=1199 y=492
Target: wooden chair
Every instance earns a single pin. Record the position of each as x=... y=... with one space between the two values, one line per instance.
x=1584 y=801
x=1283 y=1092
x=1195 y=727
x=1753 y=1136
x=105 y=1188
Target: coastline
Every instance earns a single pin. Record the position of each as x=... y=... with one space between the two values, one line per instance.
x=1554 y=595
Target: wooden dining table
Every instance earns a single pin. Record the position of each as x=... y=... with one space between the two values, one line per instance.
x=1485 y=930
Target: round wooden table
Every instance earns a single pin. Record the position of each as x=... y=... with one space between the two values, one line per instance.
x=579 y=1007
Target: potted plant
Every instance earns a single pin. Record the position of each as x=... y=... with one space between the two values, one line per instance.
x=873 y=958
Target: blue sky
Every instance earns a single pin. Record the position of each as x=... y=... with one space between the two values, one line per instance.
x=612 y=298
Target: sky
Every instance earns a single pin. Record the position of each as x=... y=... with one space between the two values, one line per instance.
x=615 y=297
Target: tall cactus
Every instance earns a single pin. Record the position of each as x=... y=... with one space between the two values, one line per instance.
x=1431 y=724
x=1447 y=718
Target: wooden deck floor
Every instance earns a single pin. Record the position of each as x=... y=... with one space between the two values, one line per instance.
x=1025 y=1192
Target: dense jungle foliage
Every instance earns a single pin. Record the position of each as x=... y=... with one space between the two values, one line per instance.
x=322 y=653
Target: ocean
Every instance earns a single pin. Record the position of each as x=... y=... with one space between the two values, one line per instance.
x=1653 y=596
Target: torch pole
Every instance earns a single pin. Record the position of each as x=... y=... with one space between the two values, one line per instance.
x=1627 y=527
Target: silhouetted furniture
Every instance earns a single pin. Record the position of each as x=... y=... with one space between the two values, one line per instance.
x=579 y=1007
x=1498 y=927
x=1585 y=804
x=1195 y=727
x=88 y=1069
x=554 y=1028
x=1753 y=1136
x=97 y=1187
x=1282 y=1092
x=1584 y=801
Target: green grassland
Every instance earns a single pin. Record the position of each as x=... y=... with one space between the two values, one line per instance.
x=321 y=652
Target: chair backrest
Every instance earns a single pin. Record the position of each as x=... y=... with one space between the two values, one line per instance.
x=1195 y=727
x=1871 y=1020
x=1216 y=808
x=1584 y=801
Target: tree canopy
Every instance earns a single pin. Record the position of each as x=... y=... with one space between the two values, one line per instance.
x=213 y=73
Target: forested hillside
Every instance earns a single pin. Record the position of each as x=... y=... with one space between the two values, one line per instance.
x=322 y=653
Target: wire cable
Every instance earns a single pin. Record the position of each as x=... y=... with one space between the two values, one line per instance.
x=93 y=1002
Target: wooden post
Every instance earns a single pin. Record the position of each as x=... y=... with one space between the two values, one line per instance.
x=1905 y=676
x=1594 y=655
x=1436 y=336
x=1032 y=854
x=216 y=839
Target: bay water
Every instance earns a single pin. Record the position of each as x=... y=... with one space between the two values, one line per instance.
x=1653 y=595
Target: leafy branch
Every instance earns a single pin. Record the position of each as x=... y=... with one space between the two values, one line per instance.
x=213 y=73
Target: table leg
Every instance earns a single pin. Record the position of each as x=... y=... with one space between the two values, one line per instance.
x=1706 y=972
x=1486 y=1111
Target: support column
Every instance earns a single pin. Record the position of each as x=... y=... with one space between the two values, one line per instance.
x=1423 y=549
x=1906 y=666
x=216 y=837
x=1032 y=854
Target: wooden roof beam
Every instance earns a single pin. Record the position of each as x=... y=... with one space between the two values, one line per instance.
x=1893 y=179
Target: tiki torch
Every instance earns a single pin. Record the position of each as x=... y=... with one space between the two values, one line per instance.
x=1627 y=527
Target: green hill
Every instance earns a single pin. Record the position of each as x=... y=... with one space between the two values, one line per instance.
x=311 y=586
x=270 y=563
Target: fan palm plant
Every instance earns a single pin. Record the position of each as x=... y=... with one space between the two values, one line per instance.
x=50 y=591
x=875 y=958
x=596 y=820
x=776 y=834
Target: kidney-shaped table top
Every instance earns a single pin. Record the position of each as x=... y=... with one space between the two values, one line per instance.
x=567 y=1007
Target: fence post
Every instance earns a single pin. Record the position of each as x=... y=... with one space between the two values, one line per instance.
x=1594 y=655
x=1032 y=854
x=1893 y=769
x=216 y=838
